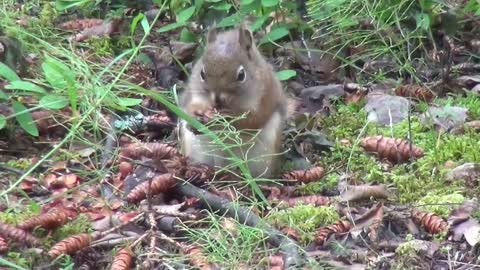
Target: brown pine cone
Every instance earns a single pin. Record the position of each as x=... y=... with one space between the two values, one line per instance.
x=394 y=150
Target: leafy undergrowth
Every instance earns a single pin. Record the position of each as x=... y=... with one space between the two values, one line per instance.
x=382 y=173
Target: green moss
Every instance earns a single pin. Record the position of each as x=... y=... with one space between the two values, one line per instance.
x=305 y=219
x=440 y=203
x=102 y=46
x=14 y=215
x=47 y=14
x=328 y=182
x=81 y=224
x=21 y=163
x=229 y=243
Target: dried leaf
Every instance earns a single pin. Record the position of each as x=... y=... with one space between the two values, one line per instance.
x=316 y=99
x=197 y=258
x=276 y=262
x=322 y=234
x=18 y=235
x=432 y=223
x=394 y=150
x=415 y=91
x=70 y=245
x=305 y=176
x=364 y=192
x=159 y=184
x=55 y=218
x=123 y=260
x=183 y=51
x=372 y=219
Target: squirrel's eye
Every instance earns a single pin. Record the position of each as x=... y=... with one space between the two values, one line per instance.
x=241 y=75
x=202 y=74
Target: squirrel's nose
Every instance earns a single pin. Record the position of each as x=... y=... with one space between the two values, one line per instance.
x=218 y=101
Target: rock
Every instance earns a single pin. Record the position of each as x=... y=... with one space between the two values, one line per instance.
x=446 y=118
x=386 y=109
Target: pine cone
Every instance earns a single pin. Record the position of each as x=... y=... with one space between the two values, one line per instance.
x=394 y=150
x=159 y=184
x=80 y=24
x=155 y=151
x=305 y=176
x=415 y=91
x=51 y=220
x=342 y=226
x=3 y=245
x=123 y=260
x=12 y=233
x=432 y=223
x=70 y=245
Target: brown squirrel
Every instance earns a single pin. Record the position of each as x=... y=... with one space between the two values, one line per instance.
x=233 y=77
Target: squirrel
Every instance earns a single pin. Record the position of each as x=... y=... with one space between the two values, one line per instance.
x=233 y=77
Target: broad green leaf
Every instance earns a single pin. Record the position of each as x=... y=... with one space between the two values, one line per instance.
x=222 y=6
x=187 y=36
x=274 y=35
x=7 y=73
x=423 y=21
x=3 y=95
x=26 y=86
x=145 y=25
x=213 y=1
x=3 y=121
x=259 y=22
x=286 y=74
x=53 y=102
x=129 y=102
x=170 y=27
x=24 y=118
x=270 y=3
x=229 y=21
x=56 y=70
x=185 y=14
x=134 y=23
x=67 y=4
x=245 y=2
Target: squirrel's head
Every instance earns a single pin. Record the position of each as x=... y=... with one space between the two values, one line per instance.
x=228 y=67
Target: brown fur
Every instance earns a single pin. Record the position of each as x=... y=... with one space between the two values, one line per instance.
x=260 y=95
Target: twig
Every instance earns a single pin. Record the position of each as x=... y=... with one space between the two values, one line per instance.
x=107 y=154
x=10 y=169
x=293 y=257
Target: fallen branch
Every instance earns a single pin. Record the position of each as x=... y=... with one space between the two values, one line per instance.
x=291 y=252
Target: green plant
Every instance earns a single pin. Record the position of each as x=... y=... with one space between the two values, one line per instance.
x=394 y=31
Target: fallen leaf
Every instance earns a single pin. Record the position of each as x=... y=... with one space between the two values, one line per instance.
x=371 y=220
x=316 y=99
x=364 y=192
x=470 y=229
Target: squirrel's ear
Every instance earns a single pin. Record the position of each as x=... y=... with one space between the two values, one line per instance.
x=245 y=37
x=212 y=34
